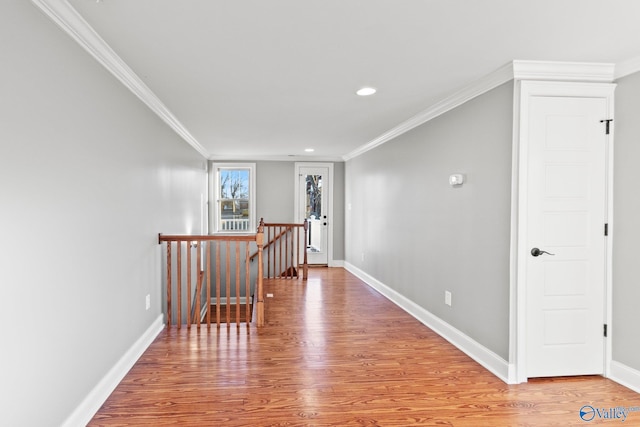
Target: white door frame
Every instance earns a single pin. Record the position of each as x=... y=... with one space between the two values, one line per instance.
x=519 y=253
x=329 y=199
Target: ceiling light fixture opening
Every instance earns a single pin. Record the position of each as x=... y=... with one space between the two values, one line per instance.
x=366 y=91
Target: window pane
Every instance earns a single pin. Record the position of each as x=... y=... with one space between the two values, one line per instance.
x=314 y=196
x=313 y=212
x=234 y=199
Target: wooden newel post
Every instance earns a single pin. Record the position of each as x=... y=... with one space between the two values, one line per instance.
x=304 y=250
x=259 y=286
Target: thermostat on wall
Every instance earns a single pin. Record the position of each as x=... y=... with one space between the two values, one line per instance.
x=456 y=179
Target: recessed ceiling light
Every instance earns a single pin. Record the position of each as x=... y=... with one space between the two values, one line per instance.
x=309 y=150
x=366 y=91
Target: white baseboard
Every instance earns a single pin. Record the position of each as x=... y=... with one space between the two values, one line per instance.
x=94 y=400
x=336 y=263
x=625 y=375
x=232 y=300
x=485 y=357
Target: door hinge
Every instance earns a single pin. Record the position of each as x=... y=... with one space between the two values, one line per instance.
x=606 y=229
x=607 y=121
x=605 y=329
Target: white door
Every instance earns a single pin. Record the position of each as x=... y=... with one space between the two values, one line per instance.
x=566 y=210
x=313 y=195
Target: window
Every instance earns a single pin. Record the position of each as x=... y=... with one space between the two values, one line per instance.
x=234 y=197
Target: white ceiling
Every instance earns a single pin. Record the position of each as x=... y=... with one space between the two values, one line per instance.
x=267 y=79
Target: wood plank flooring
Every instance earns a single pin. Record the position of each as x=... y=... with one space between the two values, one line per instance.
x=336 y=353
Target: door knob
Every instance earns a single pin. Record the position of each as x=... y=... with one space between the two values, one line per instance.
x=538 y=252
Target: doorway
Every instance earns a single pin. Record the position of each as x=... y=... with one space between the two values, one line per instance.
x=314 y=191
x=562 y=244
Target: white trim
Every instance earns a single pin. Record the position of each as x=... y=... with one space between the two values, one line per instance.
x=608 y=357
x=330 y=201
x=625 y=375
x=72 y=23
x=627 y=67
x=467 y=93
x=336 y=263
x=232 y=300
x=563 y=71
x=524 y=91
x=99 y=394
x=276 y=158
x=513 y=248
x=485 y=357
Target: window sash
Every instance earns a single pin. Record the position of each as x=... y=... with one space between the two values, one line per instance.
x=234 y=197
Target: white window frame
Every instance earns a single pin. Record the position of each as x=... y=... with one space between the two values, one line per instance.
x=216 y=220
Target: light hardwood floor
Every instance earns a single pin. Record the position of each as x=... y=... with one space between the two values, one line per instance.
x=336 y=353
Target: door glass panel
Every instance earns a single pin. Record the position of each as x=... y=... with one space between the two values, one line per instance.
x=313 y=211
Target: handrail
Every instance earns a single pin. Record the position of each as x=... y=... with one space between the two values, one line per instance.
x=204 y=245
x=284 y=248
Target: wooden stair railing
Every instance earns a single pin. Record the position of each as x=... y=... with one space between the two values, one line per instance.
x=285 y=246
x=205 y=246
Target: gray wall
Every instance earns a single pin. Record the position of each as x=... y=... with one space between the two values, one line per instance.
x=420 y=236
x=275 y=198
x=88 y=177
x=626 y=224
x=338 y=211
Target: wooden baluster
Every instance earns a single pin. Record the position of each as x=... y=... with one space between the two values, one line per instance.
x=218 y=283
x=305 y=266
x=228 y=281
x=238 y=284
x=198 y=285
x=169 y=284
x=280 y=252
x=259 y=289
x=247 y=290
x=294 y=270
x=290 y=253
x=297 y=244
x=273 y=258
x=209 y=283
x=189 y=267
x=286 y=252
x=179 y=272
x=269 y=252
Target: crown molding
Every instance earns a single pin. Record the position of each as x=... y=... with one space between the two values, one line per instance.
x=485 y=84
x=627 y=67
x=518 y=70
x=563 y=71
x=72 y=23
x=233 y=158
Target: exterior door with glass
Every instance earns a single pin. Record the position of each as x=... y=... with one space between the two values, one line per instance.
x=313 y=194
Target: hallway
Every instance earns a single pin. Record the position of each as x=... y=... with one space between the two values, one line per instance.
x=336 y=353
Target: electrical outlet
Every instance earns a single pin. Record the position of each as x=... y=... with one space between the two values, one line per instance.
x=447 y=298
x=362 y=257
x=147 y=302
